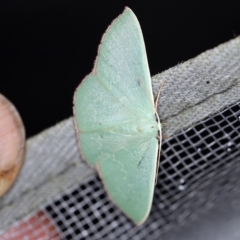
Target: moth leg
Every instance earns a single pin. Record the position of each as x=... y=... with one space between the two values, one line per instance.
x=159 y=149
x=160 y=131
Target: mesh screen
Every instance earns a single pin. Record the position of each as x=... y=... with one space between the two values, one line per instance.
x=198 y=166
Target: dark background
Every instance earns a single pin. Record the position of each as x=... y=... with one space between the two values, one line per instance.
x=47 y=47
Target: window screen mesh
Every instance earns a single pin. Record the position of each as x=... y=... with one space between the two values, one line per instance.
x=198 y=166
x=58 y=197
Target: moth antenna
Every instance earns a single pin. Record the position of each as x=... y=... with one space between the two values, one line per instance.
x=158 y=95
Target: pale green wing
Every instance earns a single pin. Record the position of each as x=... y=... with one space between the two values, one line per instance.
x=129 y=175
x=122 y=65
x=98 y=116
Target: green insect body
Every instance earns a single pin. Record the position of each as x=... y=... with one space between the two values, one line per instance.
x=115 y=118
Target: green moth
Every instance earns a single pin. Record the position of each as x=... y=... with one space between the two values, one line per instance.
x=115 y=118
